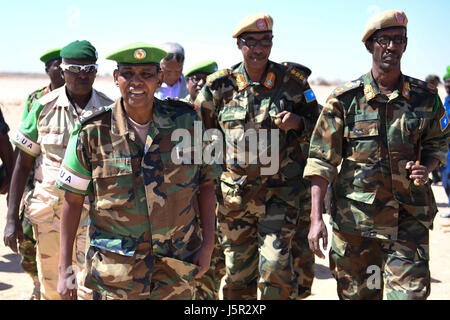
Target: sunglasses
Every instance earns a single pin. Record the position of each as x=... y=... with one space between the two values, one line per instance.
x=76 y=68
x=251 y=43
x=385 y=40
x=176 y=56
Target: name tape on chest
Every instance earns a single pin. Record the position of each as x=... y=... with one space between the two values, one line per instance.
x=26 y=144
x=65 y=177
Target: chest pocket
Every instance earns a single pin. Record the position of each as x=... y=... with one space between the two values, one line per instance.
x=362 y=137
x=114 y=183
x=179 y=175
x=413 y=123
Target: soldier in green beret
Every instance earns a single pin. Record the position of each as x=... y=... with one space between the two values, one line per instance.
x=27 y=243
x=196 y=78
x=42 y=139
x=387 y=132
x=145 y=241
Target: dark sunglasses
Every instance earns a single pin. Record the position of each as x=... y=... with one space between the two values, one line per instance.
x=76 y=68
x=176 y=56
x=385 y=40
x=251 y=43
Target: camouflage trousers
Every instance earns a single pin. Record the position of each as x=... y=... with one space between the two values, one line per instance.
x=303 y=258
x=257 y=250
x=27 y=247
x=44 y=212
x=140 y=276
x=207 y=287
x=364 y=266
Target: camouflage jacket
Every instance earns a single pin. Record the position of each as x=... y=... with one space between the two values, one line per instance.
x=372 y=136
x=235 y=105
x=45 y=132
x=35 y=95
x=139 y=194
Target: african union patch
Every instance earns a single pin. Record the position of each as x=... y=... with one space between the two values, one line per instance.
x=444 y=121
x=309 y=95
x=140 y=54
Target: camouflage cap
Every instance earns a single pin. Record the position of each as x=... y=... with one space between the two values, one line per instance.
x=432 y=77
x=79 y=50
x=447 y=75
x=207 y=67
x=385 y=19
x=257 y=22
x=138 y=53
x=51 y=55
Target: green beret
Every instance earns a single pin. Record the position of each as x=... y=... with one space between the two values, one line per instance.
x=79 y=50
x=51 y=55
x=207 y=67
x=138 y=53
x=447 y=75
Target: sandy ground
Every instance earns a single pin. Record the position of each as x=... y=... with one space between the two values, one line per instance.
x=17 y=285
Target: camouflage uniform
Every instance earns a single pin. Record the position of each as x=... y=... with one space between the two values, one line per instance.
x=44 y=135
x=258 y=213
x=380 y=218
x=144 y=230
x=27 y=247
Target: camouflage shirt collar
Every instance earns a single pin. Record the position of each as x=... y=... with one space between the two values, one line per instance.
x=243 y=78
x=119 y=124
x=371 y=89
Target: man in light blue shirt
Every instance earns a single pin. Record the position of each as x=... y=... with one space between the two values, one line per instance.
x=174 y=85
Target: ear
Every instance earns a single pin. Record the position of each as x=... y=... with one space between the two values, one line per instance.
x=238 y=43
x=369 y=46
x=406 y=44
x=116 y=77
x=160 y=78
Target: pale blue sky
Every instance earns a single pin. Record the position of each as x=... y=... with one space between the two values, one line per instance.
x=323 y=35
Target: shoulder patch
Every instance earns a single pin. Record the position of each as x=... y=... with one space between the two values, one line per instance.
x=416 y=83
x=87 y=115
x=217 y=75
x=347 y=87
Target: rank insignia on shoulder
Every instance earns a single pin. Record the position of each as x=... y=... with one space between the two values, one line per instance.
x=91 y=113
x=309 y=95
x=270 y=80
x=444 y=121
x=217 y=75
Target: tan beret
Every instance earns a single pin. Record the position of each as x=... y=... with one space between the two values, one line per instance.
x=382 y=20
x=257 y=22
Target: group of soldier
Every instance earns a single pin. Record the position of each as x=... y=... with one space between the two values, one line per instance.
x=98 y=192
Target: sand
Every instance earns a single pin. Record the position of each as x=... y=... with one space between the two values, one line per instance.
x=17 y=285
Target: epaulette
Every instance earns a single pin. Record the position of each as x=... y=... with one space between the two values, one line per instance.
x=52 y=95
x=217 y=75
x=34 y=93
x=347 y=87
x=176 y=102
x=298 y=74
x=421 y=84
x=304 y=69
x=87 y=115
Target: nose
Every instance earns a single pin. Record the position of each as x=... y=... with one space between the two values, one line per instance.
x=202 y=82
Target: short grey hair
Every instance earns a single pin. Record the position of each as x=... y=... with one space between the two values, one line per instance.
x=174 y=48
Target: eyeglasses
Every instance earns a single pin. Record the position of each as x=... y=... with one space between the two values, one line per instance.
x=76 y=68
x=197 y=78
x=176 y=56
x=251 y=43
x=385 y=40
